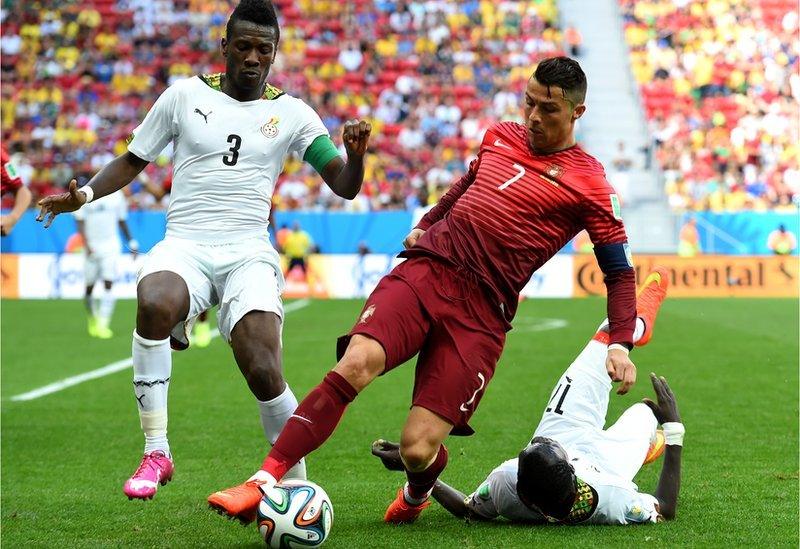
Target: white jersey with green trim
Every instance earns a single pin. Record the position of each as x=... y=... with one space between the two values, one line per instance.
x=101 y=219
x=619 y=502
x=228 y=155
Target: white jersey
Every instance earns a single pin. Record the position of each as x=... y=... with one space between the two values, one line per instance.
x=228 y=155
x=101 y=219
x=618 y=500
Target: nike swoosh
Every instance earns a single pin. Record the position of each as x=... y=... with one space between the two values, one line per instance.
x=499 y=143
x=301 y=418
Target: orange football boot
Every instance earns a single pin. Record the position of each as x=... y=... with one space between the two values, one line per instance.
x=239 y=502
x=657 y=446
x=649 y=300
x=402 y=512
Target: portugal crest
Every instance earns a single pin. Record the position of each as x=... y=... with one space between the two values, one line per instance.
x=270 y=129
x=554 y=170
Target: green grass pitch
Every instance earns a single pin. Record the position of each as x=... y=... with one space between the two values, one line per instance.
x=732 y=364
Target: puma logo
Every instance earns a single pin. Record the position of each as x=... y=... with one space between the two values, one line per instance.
x=205 y=116
x=140 y=399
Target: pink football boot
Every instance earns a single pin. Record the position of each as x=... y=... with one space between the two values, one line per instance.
x=156 y=468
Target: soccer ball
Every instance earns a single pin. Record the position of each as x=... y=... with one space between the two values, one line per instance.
x=295 y=513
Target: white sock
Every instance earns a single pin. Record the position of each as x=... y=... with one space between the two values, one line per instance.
x=107 y=301
x=152 y=367
x=638 y=331
x=274 y=415
x=412 y=500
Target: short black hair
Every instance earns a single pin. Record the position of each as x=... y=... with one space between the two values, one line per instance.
x=547 y=481
x=565 y=73
x=260 y=12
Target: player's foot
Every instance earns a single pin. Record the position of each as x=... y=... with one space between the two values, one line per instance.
x=239 y=502
x=657 y=446
x=202 y=334
x=402 y=512
x=156 y=468
x=649 y=300
x=91 y=326
x=102 y=330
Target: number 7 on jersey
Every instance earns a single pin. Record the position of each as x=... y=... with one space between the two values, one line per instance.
x=520 y=174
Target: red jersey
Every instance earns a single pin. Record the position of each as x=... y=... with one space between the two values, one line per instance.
x=513 y=210
x=11 y=182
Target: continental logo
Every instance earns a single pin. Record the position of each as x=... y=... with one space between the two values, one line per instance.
x=703 y=276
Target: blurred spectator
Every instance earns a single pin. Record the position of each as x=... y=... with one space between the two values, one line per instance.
x=719 y=83
x=296 y=247
x=689 y=239
x=619 y=176
x=574 y=40
x=781 y=241
x=77 y=77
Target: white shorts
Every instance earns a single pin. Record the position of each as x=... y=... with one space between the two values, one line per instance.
x=100 y=266
x=576 y=414
x=240 y=277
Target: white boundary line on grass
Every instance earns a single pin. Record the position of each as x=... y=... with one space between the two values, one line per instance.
x=117 y=366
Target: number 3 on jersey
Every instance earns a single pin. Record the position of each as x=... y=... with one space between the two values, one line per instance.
x=520 y=173
x=231 y=159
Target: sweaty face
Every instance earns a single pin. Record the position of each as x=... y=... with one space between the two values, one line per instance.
x=550 y=117
x=249 y=51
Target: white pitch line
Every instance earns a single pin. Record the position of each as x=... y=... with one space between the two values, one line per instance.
x=114 y=367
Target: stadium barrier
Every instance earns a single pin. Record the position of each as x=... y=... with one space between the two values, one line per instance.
x=60 y=276
x=704 y=276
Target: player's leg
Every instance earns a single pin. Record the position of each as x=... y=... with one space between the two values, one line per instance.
x=625 y=445
x=91 y=272
x=424 y=457
x=454 y=369
x=108 y=272
x=171 y=287
x=390 y=330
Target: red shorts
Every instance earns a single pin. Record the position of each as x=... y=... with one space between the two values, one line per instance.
x=428 y=307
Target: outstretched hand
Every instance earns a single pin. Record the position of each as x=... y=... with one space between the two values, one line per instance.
x=620 y=368
x=55 y=204
x=389 y=454
x=665 y=409
x=355 y=136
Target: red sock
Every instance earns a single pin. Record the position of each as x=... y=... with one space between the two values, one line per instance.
x=420 y=484
x=312 y=423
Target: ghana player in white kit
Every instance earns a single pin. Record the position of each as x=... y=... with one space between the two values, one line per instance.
x=573 y=471
x=231 y=133
x=97 y=224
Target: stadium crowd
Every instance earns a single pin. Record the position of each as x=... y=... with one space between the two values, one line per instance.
x=719 y=82
x=720 y=85
x=430 y=76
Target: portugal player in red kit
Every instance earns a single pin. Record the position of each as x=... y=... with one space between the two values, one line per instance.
x=530 y=190
x=12 y=184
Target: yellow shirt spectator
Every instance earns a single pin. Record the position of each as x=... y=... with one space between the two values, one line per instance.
x=297 y=244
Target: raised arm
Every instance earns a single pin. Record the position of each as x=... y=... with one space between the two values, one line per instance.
x=345 y=178
x=666 y=412
x=115 y=175
x=602 y=219
x=22 y=199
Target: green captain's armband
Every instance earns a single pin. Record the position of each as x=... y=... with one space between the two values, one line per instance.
x=320 y=152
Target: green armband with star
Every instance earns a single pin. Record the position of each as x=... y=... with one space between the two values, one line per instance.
x=320 y=152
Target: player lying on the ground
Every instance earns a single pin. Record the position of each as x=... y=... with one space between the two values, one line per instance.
x=231 y=134
x=573 y=471
x=531 y=189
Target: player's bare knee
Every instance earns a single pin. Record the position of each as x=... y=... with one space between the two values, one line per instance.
x=362 y=362
x=155 y=315
x=417 y=453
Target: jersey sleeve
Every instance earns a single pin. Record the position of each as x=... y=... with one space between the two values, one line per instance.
x=601 y=214
x=309 y=128
x=450 y=197
x=497 y=497
x=158 y=128
x=631 y=507
x=79 y=214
